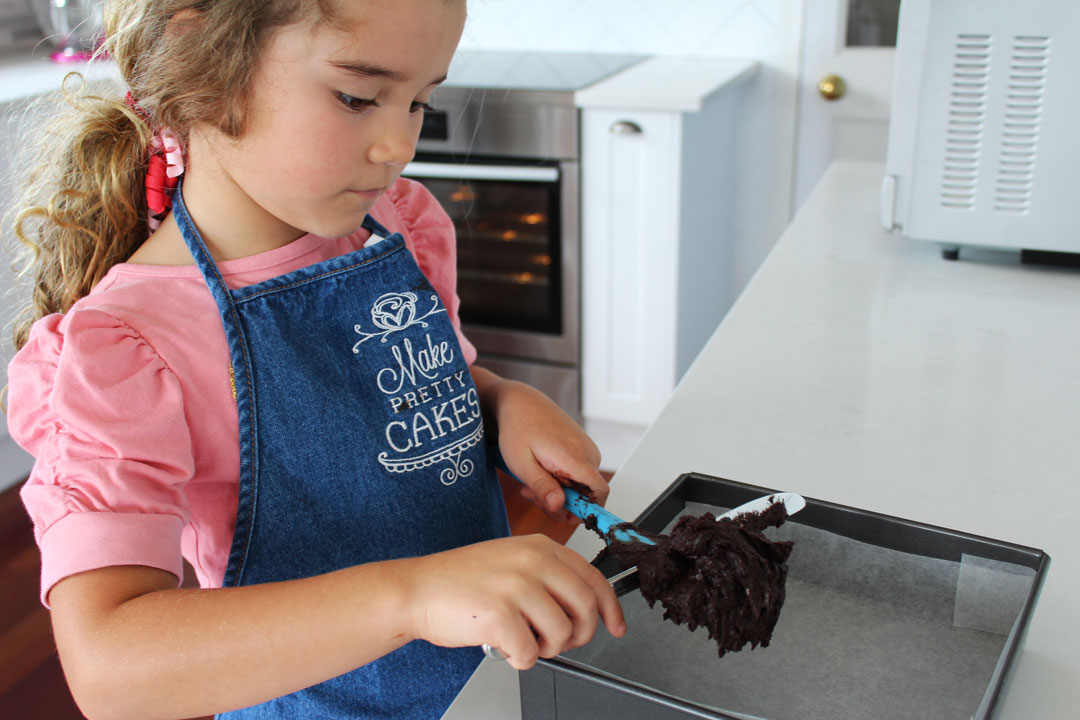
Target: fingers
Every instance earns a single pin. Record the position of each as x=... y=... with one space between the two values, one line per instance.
x=570 y=613
x=610 y=609
x=590 y=475
x=517 y=641
x=606 y=602
x=562 y=612
x=578 y=597
x=546 y=490
x=545 y=482
x=552 y=626
x=575 y=469
x=529 y=596
x=560 y=515
x=534 y=624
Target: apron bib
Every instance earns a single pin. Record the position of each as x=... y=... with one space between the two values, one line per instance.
x=361 y=439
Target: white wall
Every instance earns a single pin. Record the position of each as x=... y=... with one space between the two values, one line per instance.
x=18 y=28
x=765 y=30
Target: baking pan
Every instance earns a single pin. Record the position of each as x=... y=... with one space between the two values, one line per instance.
x=884 y=618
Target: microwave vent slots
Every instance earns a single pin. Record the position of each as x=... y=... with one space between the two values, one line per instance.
x=1020 y=128
x=968 y=94
x=983 y=148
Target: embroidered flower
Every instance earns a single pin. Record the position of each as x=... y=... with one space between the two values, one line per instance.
x=394 y=311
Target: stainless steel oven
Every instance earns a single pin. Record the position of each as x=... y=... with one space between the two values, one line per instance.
x=506 y=171
x=500 y=152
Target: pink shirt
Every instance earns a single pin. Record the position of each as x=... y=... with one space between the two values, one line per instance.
x=126 y=405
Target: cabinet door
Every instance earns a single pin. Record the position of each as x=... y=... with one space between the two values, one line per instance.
x=630 y=230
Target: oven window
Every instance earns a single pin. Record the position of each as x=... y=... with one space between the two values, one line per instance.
x=508 y=251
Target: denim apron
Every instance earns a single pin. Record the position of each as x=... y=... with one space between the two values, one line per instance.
x=361 y=440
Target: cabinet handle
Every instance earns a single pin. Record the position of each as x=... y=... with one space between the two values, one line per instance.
x=625 y=127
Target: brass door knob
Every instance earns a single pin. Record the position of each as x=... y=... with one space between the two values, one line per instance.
x=832 y=87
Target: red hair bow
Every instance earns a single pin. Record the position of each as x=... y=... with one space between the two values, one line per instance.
x=166 y=165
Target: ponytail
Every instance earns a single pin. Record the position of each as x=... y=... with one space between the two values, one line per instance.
x=82 y=208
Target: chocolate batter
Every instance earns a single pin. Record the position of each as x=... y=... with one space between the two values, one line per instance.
x=725 y=575
x=566 y=481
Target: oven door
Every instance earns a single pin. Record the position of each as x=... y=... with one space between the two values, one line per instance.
x=518 y=253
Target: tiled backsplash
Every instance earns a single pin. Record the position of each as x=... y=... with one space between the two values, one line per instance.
x=712 y=28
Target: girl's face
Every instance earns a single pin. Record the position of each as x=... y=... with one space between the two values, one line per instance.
x=335 y=113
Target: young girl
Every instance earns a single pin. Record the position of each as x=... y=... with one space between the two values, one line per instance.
x=273 y=386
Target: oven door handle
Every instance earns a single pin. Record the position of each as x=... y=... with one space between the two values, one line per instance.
x=457 y=171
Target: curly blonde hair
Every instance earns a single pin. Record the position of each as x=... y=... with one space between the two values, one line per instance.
x=82 y=206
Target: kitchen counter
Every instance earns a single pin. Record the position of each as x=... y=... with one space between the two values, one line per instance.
x=861 y=368
x=665 y=83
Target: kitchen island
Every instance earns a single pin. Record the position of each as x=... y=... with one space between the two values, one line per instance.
x=861 y=368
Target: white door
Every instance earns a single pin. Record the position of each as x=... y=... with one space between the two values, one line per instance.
x=853 y=40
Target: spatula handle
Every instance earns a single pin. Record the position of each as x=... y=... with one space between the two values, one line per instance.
x=582 y=507
x=606 y=521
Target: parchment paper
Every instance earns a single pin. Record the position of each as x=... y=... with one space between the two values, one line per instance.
x=865 y=632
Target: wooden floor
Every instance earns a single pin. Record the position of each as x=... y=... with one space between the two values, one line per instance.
x=32 y=684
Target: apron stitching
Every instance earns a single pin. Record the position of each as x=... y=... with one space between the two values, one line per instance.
x=238 y=328
x=254 y=459
x=251 y=431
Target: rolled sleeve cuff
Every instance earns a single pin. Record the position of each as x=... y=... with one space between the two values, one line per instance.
x=84 y=541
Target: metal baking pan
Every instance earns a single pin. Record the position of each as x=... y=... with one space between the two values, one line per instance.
x=884 y=618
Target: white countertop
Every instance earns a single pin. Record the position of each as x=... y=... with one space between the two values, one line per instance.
x=665 y=83
x=861 y=368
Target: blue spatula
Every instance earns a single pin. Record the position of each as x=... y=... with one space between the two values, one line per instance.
x=607 y=523
x=582 y=507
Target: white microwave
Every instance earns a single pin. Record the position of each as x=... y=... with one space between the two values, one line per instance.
x=984 y=135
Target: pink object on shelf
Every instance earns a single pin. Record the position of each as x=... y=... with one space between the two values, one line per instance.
x=72 y=56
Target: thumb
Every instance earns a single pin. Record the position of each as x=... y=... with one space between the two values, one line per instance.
x=545 y=487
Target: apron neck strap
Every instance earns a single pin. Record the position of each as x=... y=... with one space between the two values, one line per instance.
x=378 y=232
x=205 y=262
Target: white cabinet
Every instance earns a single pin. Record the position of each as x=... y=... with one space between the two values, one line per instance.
x=657 y=227
x=629 y=253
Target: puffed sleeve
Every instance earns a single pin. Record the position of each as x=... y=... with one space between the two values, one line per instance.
x=432 y=239
x=103 y=416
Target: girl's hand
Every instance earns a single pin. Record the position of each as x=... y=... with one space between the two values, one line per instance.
x=529 y=596
x=541 y=444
